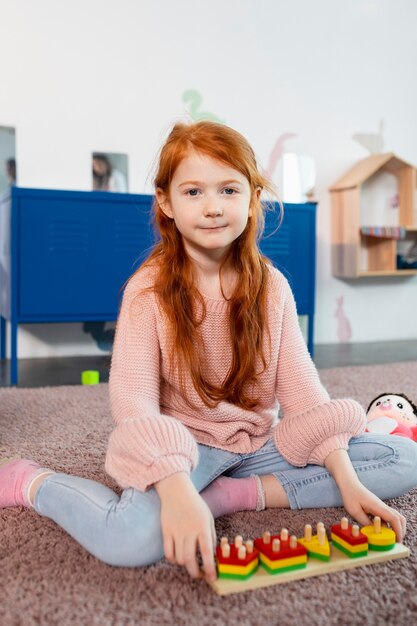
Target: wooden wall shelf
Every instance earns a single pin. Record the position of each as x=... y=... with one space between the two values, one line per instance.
x=355 y=254
x=389 y=273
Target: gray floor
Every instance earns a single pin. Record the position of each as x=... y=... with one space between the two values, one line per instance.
x=55 y=371
x=67 y=371
x=342 y=354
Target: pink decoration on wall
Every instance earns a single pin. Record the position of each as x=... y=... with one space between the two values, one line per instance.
x=276 y=153
x=344 y=329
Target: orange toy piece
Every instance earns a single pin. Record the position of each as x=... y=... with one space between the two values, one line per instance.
x=348 y=539
x=281 y=553
x=237 y=560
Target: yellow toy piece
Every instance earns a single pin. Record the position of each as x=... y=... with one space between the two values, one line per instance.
x=317 y=546
x=238 y=569
x=354 y=549
x=315 y=550
x=283 y=563
x=379 y=537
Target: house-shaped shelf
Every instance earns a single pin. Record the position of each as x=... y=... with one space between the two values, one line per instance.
x=370 y=203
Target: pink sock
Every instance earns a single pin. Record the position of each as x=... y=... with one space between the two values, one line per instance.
x=15 y=477
x=228 y=495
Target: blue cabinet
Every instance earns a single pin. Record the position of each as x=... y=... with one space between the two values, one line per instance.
x=71 y=253
x=75 y=253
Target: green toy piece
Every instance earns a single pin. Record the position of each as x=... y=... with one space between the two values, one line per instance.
x=90 y=377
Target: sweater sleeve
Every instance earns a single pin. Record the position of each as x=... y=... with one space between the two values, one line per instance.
x=312 y=425
x=145 y=446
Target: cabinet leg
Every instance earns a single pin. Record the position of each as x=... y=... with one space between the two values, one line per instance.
x=310 y=338
x=13 y=363
x=2 y=338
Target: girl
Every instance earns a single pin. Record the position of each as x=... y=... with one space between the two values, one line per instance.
x=207 y=345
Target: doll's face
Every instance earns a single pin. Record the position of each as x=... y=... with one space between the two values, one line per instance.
x=395 y=407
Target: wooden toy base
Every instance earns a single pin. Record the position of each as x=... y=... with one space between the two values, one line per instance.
x=337 y=563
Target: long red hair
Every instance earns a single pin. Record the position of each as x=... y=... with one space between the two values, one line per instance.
x=175 y=284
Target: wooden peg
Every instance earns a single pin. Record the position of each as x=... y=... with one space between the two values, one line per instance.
x=241 y=553
x=344 y=523
x=276 y=545
x=293 y=541
x=321 y=535
x=284 y=534
x=377 y=524
x=225 y=548
x=249 y=546
x=238 y=541
x=319 y=525
x=223 y=541
x=308 y=532
x=355 y=530
x=266 y=537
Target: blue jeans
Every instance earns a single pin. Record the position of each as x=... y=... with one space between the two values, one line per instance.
x=125 y=530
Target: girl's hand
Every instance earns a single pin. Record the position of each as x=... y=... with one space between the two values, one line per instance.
x=187 y=524
x=358 y=501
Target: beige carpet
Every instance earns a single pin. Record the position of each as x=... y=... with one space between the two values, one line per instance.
x=47 y=579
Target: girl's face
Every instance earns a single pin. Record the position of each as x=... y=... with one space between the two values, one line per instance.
x=210 y=204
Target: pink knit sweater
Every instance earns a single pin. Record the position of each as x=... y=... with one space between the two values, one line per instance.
x=156 y=431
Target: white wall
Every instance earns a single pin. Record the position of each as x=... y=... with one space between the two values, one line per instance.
x=107 y=75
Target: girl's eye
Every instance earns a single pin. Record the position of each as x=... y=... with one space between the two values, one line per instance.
x=192 y=192
x=229 y=191
x=399 y=405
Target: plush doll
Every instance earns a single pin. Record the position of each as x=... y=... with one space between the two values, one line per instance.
x=392 y=414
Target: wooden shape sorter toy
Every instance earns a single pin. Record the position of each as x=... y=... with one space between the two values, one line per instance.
x=284 y=558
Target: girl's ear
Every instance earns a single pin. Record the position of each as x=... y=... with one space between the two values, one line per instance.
x=257 y=194
x=163 y=201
